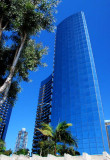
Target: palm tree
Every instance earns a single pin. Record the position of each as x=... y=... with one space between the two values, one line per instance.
x=60 y=134
x=46 y=147
x=62 y=149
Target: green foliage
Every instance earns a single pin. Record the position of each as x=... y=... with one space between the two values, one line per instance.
x=7 y=152
x=22 y=151
x=3 y=149
x=62 y=149
x=2 y=146
x=46 y=130
x=46 y=147
x=5 y=13
x=60 y=135
x=33 y=17
x=0 y=119
x=23 y=18
x=30 y=59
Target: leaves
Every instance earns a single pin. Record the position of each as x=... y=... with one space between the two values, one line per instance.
x=45 y=132
x=63 y=126
x=30 y=59
x=47 y=127
x=2 y=146
x=23 y=17
x=46 y=147
x=7 y=152
x=32 y=17
x=22 y=151
x=3 y=149
x=0 y=119
x=60 y=134
x=62 y=149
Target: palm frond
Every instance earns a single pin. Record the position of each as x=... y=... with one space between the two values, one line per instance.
x=45 y=132
x=46 y=126
x=63 y=126
x=69 y=139
x=69 y=124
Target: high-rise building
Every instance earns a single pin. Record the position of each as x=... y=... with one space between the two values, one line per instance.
x=75 y=90
x=5 y=113
x=107 y=125
x=21 y=142
x=76 y=96
x=43 y=110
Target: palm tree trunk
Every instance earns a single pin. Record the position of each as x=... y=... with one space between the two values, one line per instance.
x=41 y=152
x=55 y=149
x=0 y=28
x=7 y=82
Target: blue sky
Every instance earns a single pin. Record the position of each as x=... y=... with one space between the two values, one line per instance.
x=97 y=13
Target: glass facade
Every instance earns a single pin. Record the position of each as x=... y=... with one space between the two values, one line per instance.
x=107 y=125
x=5 y=113
x=43 y=110
x=76 y=96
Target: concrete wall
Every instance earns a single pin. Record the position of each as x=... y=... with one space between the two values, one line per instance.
x=85 y=156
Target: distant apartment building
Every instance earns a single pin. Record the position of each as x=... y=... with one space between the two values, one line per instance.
x=75 y=90
x=21 y=142
x=43 y=110
x=5 y=113
x=107 y=125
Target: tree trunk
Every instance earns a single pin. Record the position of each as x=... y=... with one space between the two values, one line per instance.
x=7 y=82
x=5 y=95
x=55 y=148
x=41 y=152
x=0 y=28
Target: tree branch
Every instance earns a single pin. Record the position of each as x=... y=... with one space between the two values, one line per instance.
x=16 y=58
x=4 y=26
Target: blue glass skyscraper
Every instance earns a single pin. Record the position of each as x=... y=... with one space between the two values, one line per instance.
x=76 y=96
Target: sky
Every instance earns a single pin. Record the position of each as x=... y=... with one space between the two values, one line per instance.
x=97 y=13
